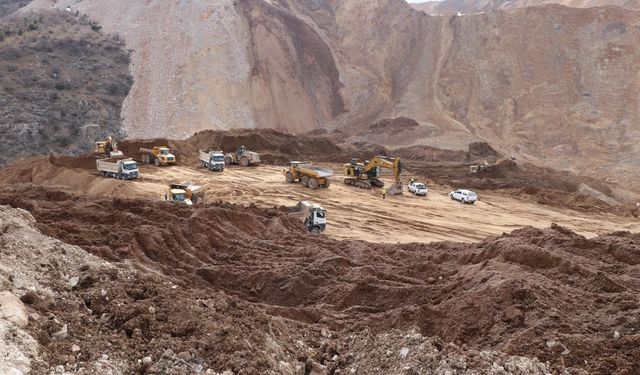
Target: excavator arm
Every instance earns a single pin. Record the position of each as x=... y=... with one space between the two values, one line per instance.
x=393 y=164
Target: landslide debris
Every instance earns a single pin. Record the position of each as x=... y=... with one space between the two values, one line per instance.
x=549 y=294
x=62 y=84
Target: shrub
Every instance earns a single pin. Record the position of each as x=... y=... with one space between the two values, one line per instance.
x=60 y=86
x=33 y=26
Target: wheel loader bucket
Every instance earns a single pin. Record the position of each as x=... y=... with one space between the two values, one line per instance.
x=116 y=154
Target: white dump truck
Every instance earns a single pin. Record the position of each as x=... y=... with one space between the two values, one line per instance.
x=123 y=169
x=212 y=160
x=313 y=216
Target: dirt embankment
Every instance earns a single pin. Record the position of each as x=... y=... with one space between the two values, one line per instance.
x=549 y=293
x=274 y=147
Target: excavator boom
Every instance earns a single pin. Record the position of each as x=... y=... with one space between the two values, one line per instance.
x=365 y=175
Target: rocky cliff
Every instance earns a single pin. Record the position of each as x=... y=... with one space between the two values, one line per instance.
x=449 y=7
x=550 y=84
x=62 y=83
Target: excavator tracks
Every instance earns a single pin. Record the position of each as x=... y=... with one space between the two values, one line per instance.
x=362 y=184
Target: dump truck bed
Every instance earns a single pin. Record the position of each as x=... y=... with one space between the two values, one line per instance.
x=109 y=165
x=313 y=170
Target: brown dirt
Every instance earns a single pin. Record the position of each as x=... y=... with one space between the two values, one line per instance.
x=274 y=147
x=532 y=292
x=439 y=166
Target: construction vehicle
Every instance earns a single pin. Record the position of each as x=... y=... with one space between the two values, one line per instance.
x=475 y=169
x=366 y=174
x=313 y=216
x=212 y=160
x=185 y=193
x=123 y=169
x=485 y=166
x=243 y=157
x=107 y=148
x=160 y=155
x=309 y=175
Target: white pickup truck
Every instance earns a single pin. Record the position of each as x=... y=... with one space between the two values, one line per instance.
x=464 y=196
x=123 y=169
x=213 y=160
x=418 y=188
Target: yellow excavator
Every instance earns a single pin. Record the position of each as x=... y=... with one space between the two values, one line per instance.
x=366 y=174
x=107 y=148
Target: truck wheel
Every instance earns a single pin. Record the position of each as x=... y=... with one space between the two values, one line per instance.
x=289 y=177
x=157 y=161
x=305 y=181
x=244 y=162
x=326 y=183
x=315 y=230
x=228 y=160
x=204 y=164
x=313 y=183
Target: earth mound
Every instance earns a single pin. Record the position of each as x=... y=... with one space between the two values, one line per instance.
x=549 y=294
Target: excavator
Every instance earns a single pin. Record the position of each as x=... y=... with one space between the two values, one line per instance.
x=366 y=174
x=107 y=148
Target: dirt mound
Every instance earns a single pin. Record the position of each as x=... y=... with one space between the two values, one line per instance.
x=549 y=293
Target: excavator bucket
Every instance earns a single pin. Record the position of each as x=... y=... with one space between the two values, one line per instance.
x=395 y=189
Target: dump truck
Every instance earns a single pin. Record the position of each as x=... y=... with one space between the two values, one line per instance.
x=212 y=160
x=123 y=169
x=159 y=155
x=186 y=193
x=366 y=174
x=107 y=148
x=243 y=157
x=309 y=175
x=312 y=215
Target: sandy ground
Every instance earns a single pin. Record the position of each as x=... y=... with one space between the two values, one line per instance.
x=364 y=215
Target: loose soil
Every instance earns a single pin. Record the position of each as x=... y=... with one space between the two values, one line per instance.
x=545 y=293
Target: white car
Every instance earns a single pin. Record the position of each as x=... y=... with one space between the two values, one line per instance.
x=418 y=188
x=464 y=196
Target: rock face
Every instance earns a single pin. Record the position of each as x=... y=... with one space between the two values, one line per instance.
x=551 y=84
x=62 y=83
x=449 y=7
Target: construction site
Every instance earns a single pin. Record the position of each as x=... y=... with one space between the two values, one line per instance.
x=319 y=187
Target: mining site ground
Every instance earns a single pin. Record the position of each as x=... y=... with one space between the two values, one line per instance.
x=353 y=213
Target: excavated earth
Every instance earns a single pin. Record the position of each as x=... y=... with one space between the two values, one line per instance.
x=224 y=287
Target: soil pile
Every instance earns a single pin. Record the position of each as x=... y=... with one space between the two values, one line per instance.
x=548 y=293
x=273 y=146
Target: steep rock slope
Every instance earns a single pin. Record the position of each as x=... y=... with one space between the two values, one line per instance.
x=448 y=7
x=62 y=83
x=551 y=84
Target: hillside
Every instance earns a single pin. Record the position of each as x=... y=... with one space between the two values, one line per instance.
x=449 y=7
x=62 y=84
x=552 y=85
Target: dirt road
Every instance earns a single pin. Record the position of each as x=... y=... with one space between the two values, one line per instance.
x=364 y=215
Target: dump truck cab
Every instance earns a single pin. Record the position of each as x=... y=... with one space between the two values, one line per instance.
x=179 y=196
x=164 y=155
x=313 y=216
x=317 y=220
x=186 y=192
x=159 y=155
